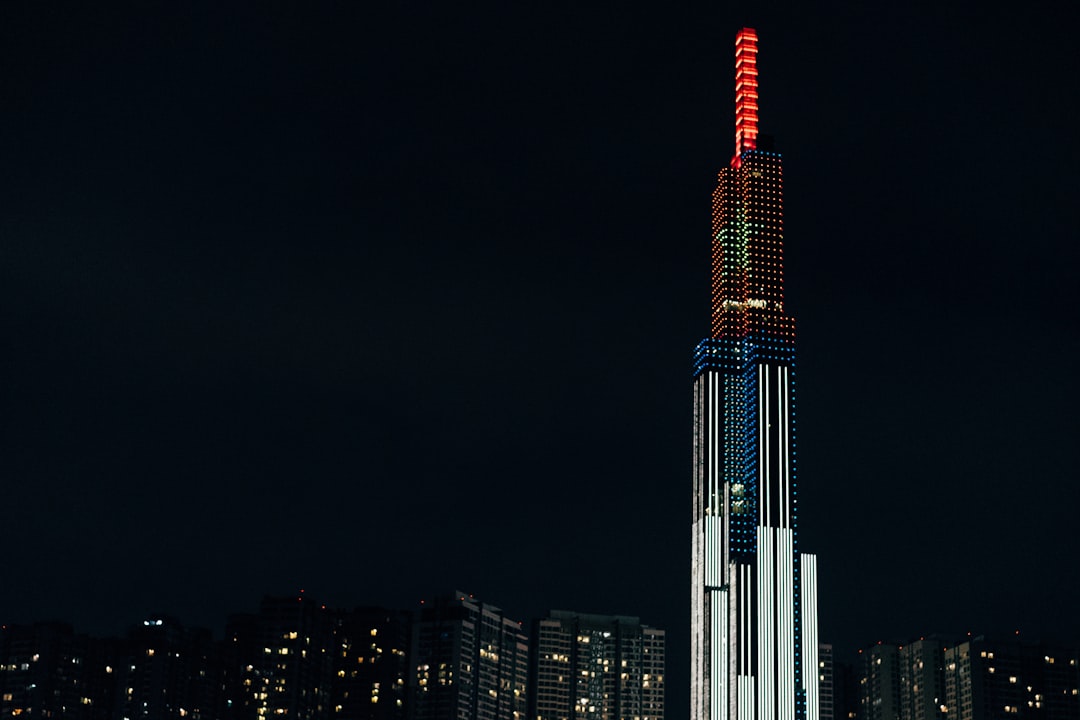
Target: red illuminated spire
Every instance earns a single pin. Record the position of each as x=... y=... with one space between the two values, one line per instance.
x=746 y=94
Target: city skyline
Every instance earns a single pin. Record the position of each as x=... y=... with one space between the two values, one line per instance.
x=412 y=291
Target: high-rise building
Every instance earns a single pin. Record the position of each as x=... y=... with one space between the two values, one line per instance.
x=602 y=667
x=922 y=679
x=470 y=662
x=879 y=682
x=753 y=607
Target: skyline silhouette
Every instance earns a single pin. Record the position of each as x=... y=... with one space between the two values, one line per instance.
x=381 y=302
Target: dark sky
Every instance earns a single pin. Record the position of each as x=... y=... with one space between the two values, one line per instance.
x=384 y=302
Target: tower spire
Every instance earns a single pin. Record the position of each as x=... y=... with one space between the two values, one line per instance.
x=746 y=93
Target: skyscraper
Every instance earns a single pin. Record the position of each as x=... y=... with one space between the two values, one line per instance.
x=753 y=598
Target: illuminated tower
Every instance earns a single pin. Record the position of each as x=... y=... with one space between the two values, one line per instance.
x=753 y=597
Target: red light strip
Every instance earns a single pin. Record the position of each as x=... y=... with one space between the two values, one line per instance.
x=746 y=92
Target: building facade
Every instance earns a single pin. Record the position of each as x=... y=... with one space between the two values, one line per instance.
x=470 y=662
x=168 y=670
x=922 y=679
x=826 y=692
x=278 y=662
x=371 y=667
x=845 y=691
x=49 y=670
x=977 y=679
x=601 y=667
x=902 y=682
x=879 y=682
x=1007 y=680
x=754 y=637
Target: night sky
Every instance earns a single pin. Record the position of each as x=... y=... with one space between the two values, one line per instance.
x=386 y=302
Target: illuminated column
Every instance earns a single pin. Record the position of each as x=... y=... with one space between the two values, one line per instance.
x=810 y=637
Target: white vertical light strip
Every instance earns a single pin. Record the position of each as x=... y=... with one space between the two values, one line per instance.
x=721 y=671
x=717 y=547
x=710 y=431
x=785 y=447
x=783 y=679
x=781 y=646
x=810 y=637
x=725 y=531
x=713 y=543
x=730 y=679
x=714 y=551
x=706 y=548
x=766 y=625
x=763 y=490
x=714 y=651
x=746 y=697
x=738 y=598
x=781 y=479
x=744 y=613
x=786 y=621
x=697 y=624
x=698 y=629
x=768 y=446
x=773 y=629
x=759 y=629
x=718 y=444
